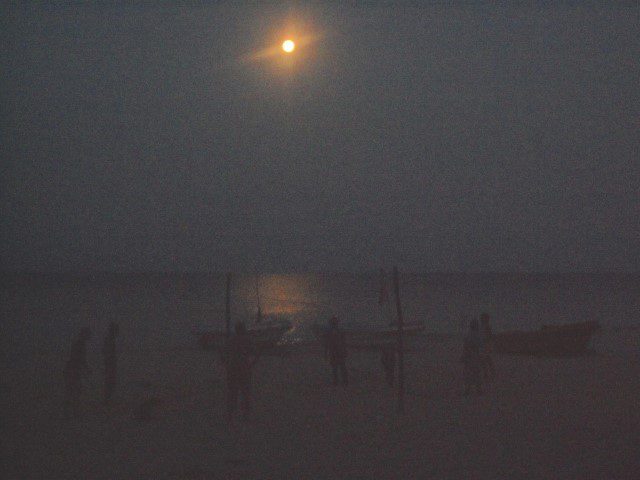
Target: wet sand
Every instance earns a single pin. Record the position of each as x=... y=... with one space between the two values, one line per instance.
x=540 y=418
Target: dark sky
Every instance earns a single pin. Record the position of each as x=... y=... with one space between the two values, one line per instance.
x=457 y=138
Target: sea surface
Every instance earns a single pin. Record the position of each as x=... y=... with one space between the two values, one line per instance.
x=44 y=312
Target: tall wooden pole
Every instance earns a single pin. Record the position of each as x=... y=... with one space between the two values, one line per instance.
x=259 y=314
x=396 y=287
x=227 y=307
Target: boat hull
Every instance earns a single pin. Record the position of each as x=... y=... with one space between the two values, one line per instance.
x=554 y=340
x=261 y=337
x=376 y=338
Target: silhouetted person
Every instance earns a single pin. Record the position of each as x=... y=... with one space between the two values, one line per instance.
x=486 y=352
x=388 y=360
x=110 y=362
x=74 y=370
x=239 y=364
x=335 y=349
x=471 y=359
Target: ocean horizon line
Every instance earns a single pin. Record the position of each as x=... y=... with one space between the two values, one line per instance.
x=243 y=272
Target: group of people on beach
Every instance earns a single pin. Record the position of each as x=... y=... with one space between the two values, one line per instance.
x=239 y=357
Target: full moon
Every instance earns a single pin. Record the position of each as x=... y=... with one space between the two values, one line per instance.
x=288 y=46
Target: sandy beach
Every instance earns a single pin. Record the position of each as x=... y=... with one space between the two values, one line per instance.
x=540 y=418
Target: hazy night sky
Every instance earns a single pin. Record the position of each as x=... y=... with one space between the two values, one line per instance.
x=462 y=138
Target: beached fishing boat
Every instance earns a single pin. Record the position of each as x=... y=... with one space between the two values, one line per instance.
x=550 y=340
x=383 y=329
x=373 y=337
x=264 y=335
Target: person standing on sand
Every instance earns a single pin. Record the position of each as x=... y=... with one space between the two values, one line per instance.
x=239 y=364
x=110 y=362
x=471 y=359
x=486 y=339
x=74 y=370
x=335 y=350
x=388 y=360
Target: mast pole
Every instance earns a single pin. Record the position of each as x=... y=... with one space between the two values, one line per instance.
x=227 y=309
x=400 y=342
x=259 y=314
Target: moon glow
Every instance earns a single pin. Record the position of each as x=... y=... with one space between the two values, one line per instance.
x=288 y=46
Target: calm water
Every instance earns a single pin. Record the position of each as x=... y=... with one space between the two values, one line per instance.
x=44 y=312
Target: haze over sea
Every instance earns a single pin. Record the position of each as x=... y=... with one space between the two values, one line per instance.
x=44 y=312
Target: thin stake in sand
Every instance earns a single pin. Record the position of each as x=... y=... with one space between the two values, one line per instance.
x=227 y=305
x=400 y=342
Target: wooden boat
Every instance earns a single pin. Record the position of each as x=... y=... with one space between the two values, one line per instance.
x=550 y=340
x=263 y=335
x=373 y=338
x=265 y=332
x=383 y=331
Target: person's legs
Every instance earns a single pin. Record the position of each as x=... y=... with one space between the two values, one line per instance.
x=72 y=394
x=478 y=382
x=109 y=385
x=484 y=367
x=345 y=375
x=467 y=381
x=245 y=391
x=68 y=402
x=490 y=367
x=108 y=391
x=390 y=370
x=232 y=395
